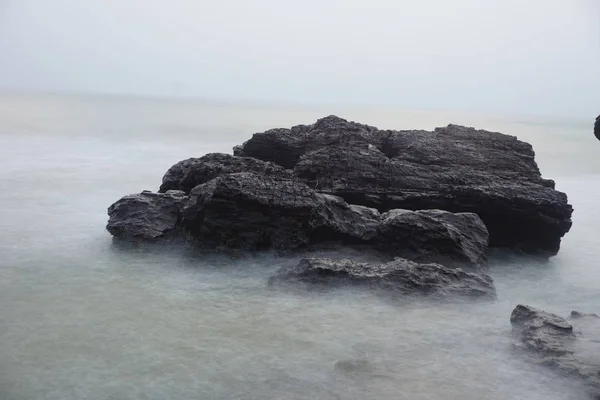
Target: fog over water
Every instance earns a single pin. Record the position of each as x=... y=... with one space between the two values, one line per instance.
x=83 y=319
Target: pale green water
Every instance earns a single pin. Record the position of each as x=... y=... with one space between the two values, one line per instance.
x=80 y=319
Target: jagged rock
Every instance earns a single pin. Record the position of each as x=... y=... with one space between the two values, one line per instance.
x=254 y=212
x=454 y=168
x=398 y=277
x=554 y=341
x=146 y=216
x=459 y=239
x=187 y=174
x=247 y=211
x=286 y=146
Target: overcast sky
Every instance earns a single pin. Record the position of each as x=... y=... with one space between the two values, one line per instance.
x=519 y=56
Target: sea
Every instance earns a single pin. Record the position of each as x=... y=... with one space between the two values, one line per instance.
x=81 y=318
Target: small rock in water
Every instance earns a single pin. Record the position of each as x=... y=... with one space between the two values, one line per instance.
x=553 y=341
x=577 y=314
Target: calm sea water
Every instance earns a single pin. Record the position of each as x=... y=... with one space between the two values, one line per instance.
x=81 y=319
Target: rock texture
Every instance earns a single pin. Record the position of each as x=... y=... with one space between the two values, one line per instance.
x=146 y=216
x=254 y=212
x=187 y=174
x=456 y=240
x=286 y=146
x=455 y=168
x=399 y=277
x=554 y=341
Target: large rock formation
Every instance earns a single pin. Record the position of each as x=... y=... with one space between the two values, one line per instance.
x=399 y=277
x=249 y=211
x=187 y=174
x=146 y=216
x=455 y=168
x=253 y=212
x=571 y=346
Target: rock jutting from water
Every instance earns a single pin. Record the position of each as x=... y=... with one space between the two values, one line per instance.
x=571 y=346
x=434 y=198
x=146 y=216
x=398 y=277
x=455 y=168
x=251 y=212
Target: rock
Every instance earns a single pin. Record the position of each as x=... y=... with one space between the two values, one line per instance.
x=247 y=211
x=455 y=240
x=146 y=216
x=555 y=342
x=597 y=127
x=577 y=314
x=187 y=174
x=286 y=146
x=541 y=331
x=398 y=277
x=455 y=168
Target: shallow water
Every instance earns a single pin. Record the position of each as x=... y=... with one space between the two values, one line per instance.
x=83 y=319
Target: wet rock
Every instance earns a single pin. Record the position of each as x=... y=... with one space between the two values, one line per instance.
x=577 y=314
x=247 y=211
x=252 y=212
x=146 y=216
x=398 y=277
x=286 y=146
x=572 y=347
x=542 y=331
x=457 y=240
x=455 y=168
x=187 y=174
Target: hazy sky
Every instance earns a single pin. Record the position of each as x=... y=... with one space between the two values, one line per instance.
x=520 y=56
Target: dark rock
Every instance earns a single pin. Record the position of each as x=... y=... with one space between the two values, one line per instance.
x=434 y=236
x=187 y=174
x=597 y=127
x=399 y=277
x=553 y=341
x=146 y=216
x=252 y=212
x=454 y=168
x=286 y=146
x=541 y=331
x=247 y=211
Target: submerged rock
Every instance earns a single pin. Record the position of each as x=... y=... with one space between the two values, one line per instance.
x=187 y=174
x=398 y=277
x=554 y=341
x=577 y=314
x=146 y=216
x=455 y=168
